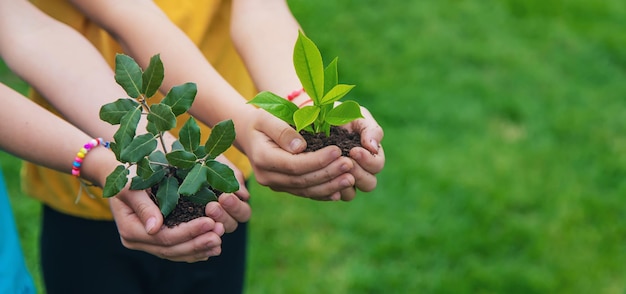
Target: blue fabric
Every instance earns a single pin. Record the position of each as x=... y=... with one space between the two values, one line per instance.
x=14 y=276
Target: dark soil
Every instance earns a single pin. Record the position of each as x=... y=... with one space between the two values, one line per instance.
x=184 y=211
x=338 y=136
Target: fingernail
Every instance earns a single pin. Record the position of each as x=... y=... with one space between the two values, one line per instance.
x=150 y=224
x=345 y=183
x=295 y=145
x=344 y=168
x=335 y=197
x=374 y=144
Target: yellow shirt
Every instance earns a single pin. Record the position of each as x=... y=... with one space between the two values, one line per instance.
x=206 y=23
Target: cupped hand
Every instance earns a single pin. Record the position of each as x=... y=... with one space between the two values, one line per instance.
x=231 y=209
x=369 y=160
x=275 y=151
x=140 y=224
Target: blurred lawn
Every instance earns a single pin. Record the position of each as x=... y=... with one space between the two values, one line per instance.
x=504 y=136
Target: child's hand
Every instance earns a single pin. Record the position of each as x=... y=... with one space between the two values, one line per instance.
x=231 y=208
x=369 y=159
x=140 y=224
x=274 y=149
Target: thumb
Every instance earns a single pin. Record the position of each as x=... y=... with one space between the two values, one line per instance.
x=147 y=211
x=280 y=132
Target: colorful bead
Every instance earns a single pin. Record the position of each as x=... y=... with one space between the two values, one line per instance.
x=78 y=160
x=295 y=94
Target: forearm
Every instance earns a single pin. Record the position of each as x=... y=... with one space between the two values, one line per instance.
x=264 y=33
x=59 y=63
x=34 y=134
x=147 y=32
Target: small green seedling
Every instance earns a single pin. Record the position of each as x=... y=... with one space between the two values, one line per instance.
x=322 y=86
x=187 y=169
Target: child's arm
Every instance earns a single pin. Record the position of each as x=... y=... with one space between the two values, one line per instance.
x=77 y=82
x=144 y=30
x=264 y=32
x=32 y=133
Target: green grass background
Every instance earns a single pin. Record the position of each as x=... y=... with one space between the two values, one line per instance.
x=505 y=125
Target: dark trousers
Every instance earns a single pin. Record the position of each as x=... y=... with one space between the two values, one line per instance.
x=86 y=256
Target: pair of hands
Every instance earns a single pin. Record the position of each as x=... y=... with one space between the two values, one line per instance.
x=274 y=150
x=321 y=175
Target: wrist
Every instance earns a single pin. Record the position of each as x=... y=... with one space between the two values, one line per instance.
x=98 y=165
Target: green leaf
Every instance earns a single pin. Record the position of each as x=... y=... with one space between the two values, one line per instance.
x=152 y=77
x=344 y=113
x=128 y=75
x=336 y=93
x=167 y=195
x=204 y=196
x=162 y=117
x=151 y=127
x=141 y=146
x=115 y=181
x=221 y=177
x=200 y=152
x=115 y=148
x=305 y=116
x=276 y=105
x=157 y=159
x=177 y=146
x=138 y=183
x=309 y=67
x=190 y=135
x=144 y=170
x=182 y=173
x=331 y=76
x=195 y=180
x=114 y=111
x=180 y=98
x=126 y=132
x=222 y=136
x=155 y=162
x=181 y=158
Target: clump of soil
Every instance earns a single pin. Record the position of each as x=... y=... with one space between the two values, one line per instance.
x=338 y=136
x=184 y=211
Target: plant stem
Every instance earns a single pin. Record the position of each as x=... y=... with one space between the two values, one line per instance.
x=162 y=142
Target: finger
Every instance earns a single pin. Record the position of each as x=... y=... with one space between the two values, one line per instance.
x=338 y=167
x=372 y=163
x=348 y=194
x=200 y=248
x=269 y=165
x=322 y=191
x=371 y=132
x=334 y=197
x=166 y=236
x=229 y=211
x=243 y=192
x=148 y=212
x=236 y=208
x=364 y=180
x=280 y=132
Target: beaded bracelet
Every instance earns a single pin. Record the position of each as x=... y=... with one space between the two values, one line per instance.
x=295 y=94
x=78 y=160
